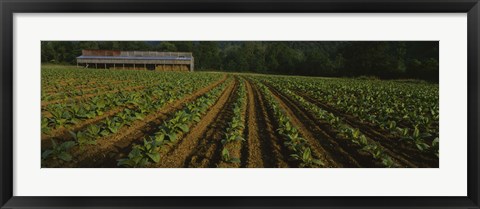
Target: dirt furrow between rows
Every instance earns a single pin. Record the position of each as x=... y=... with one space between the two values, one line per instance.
x=274 y=153
x=207 y=152
x=327 y=150
x=178 y=156
x=107 y=150
x=252 y=149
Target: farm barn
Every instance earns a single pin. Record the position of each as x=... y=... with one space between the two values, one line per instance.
x=136 y=60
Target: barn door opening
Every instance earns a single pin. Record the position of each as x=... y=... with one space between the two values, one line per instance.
x=150 y=67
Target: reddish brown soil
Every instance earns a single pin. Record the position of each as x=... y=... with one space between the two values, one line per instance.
x=106 y=151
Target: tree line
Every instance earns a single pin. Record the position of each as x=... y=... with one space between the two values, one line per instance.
x=383 y=59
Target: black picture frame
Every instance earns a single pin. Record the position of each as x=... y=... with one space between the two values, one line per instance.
x=9 y=7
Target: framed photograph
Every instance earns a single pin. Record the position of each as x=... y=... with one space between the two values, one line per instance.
x=239 y=104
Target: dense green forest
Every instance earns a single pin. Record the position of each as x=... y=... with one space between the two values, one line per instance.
x=383 y=59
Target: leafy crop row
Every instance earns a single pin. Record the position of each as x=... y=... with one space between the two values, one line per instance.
x=170 y=131
x=63 y=78
x=137 y=106
x=74 y=112
x=90 y=91
x=297 y=145
x=233 y=134
x=407 y=111
x=342 y=129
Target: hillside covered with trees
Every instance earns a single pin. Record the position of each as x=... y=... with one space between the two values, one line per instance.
x=383 y=59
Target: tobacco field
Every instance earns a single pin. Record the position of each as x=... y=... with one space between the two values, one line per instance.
x=135 y=119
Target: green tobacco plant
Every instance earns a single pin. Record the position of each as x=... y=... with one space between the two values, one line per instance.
x=227 y=158
x=435 y=146
x=113 y=124
x=95 y=131
x=417 y=139
x=294 y=141
x=141 y=155
x=234 y=131
x=83 y=138
x=374 y=150
x=229 y=137
x=306 y=159
x=61 y=117
x=59 y=151
x=388 y=162
x=390 y=125
x=177 y=125
x=45 y=125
